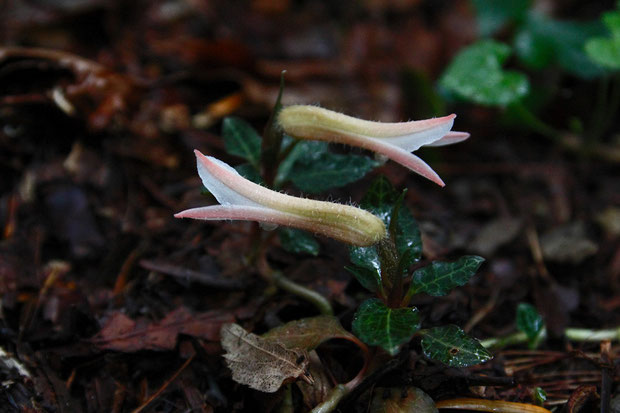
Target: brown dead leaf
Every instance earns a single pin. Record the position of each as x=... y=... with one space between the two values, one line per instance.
x=309 y=333
x=409 y=399
x=121 y=333
x=261 y=364
x=316 y=393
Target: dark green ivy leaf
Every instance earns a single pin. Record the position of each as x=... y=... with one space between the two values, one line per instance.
x=493 y=15
x=439 y=278
x=370 y=279
x=316 y=169
x=241 y=140
x=450 y=345
x=380 y=200
x=298 y=241
x=378 y=325
x=530 y=322
x=605 y=51
x=543 y=41
x=476 y=74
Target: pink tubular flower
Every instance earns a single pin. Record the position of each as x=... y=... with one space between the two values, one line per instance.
x=241 y=199
x=393 y=140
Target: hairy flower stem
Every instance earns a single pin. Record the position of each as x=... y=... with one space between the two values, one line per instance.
x=391 y=275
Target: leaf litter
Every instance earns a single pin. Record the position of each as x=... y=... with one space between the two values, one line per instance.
x=260 y=363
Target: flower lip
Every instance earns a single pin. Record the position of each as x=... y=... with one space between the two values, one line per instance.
x=241 y=199
x=394 y=140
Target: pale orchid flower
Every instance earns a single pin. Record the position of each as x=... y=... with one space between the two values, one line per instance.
x=393 y=140
x=242 y=199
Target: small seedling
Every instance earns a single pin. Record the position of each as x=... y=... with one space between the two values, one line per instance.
x=383 y=236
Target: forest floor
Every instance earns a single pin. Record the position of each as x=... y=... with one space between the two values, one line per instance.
x=109 y=304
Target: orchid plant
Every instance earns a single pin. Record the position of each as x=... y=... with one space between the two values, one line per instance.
x=383 y=236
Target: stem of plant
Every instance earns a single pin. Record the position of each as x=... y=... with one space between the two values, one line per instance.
x=573 y=334
x=391 y=276
x=334 y=397
x=272 y=140
x=314 y=298
x=535 y=123
x=279 y=280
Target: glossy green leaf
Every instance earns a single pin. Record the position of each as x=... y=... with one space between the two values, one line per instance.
x=240 y=139
x=450 y=345
x=439 y=278
x=539 y=396
x=308 y=333
x=492 y=15
x=380 y=200
x=542 y=41
x=249 y=172
x=370 y=279
x=298 y=241
x=476 y=74
x=530 y=322
x=605 y=51
x=378 y=325
x=318 y=170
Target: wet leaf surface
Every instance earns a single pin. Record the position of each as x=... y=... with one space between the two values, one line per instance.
x=378 y=325
x=450 y=345
x=439 y=278
x=298 y=241
x=317 y=169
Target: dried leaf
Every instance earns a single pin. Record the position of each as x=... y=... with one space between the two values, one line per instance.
x=261 y=364
x=316 y=393
x=408 y=399
x=309 y=333
x=121 y=333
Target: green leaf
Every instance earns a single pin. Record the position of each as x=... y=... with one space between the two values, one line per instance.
x=318 y=170
x=450 y=345
x=530 y=322
x=309 y=333
x=542 y=42
x=493 y=15
x=605 y=51
x=241 y=140
x=476 y=74
x=248 y=171
x=369 y=279
x=378 y=325
x=439 y=278
x=540 y=396
x=380 y=200
x=298 y=241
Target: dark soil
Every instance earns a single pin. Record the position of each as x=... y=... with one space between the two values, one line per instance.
x=109 y=304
